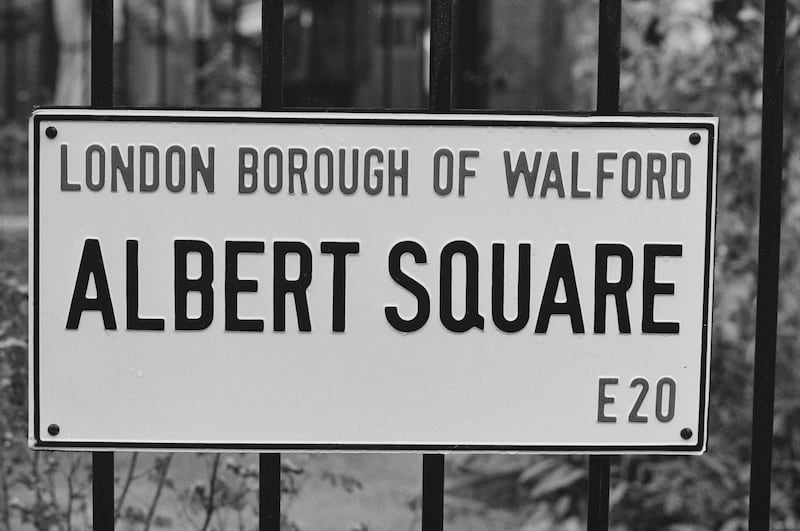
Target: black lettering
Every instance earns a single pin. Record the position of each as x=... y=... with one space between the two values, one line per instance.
x=246 y=169
x=651 y=288
x=401 y=171
x=298 y=170
x=463 y=171
x=344 y=187
x=376 y=154
x=66 y=186
x=202 y=284
x=628 y=190
x=277 y=154
x=634 y=415
x=101 y=167
x=206 y=171
x=602 y=173
x=660 y=415
x=339 y=250
x=447 y=155
x=686 y=161
x=656 y=175
x=603 y=399
x=552 y=176
x=472 y=318
x=328 y=154
x=235 y=285
x=521 y=168
x=577 y=193
x=118 y=167
x=561 y=270
x=414 y=287
x=91 y=264
x=282 y=286
x=134 y=322
x=619 y=290
x=152 y=151
x=172 y=151
x=523 y=288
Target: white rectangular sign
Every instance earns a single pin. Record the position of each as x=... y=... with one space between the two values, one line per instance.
x=328 y=281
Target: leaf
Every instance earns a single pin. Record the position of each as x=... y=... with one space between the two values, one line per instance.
x=558 y=479
x=11 y=342
x=533 y=472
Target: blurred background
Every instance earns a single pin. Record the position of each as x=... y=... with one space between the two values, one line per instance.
x=683 y=55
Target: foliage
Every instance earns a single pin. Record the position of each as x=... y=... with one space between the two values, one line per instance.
x=13 y=159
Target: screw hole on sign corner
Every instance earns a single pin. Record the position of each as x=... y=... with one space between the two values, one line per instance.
x=686 y=434
x=51 y=132
x=694 y=138
x=53 y=429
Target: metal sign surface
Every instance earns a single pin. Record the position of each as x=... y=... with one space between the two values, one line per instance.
x=320 y=281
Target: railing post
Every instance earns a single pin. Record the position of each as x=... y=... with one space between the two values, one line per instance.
x=269 y=464
x=272 y=55
x=269 y=492
x=102 y=89
x=432 y=492
x=161 y=51
x=769 y=234
x=608 y=66
x=439 y=100
x=103 y=490
x=599 y=483
x=441 y=55
x=608 y=53
x=386 y=39
x=102 y=53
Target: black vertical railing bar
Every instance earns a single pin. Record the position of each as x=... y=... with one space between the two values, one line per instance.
x=272 y=55
x=441 y=55
x=608 y=56
x=269 y=492
x=769 y=229
x=102 y=87
x=387 y=37
x=102 y=96
x=269 y=464
x=161 y=50
x=102 y=490
x=599 y=483
x=351 y=42
x=608 y=68
x=439 y=100
x=432 y=492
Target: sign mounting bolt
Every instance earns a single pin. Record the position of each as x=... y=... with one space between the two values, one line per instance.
x=51 y=132
x=686 y=434
x=694 y=138
x=53 y=429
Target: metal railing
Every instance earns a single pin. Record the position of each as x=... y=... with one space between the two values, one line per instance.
x=439 y=102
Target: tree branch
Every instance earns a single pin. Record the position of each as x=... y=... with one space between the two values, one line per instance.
x=212 y=484
x=162 y=479
x=126 y=486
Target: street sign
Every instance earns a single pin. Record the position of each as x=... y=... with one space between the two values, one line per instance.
x=230 y=280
